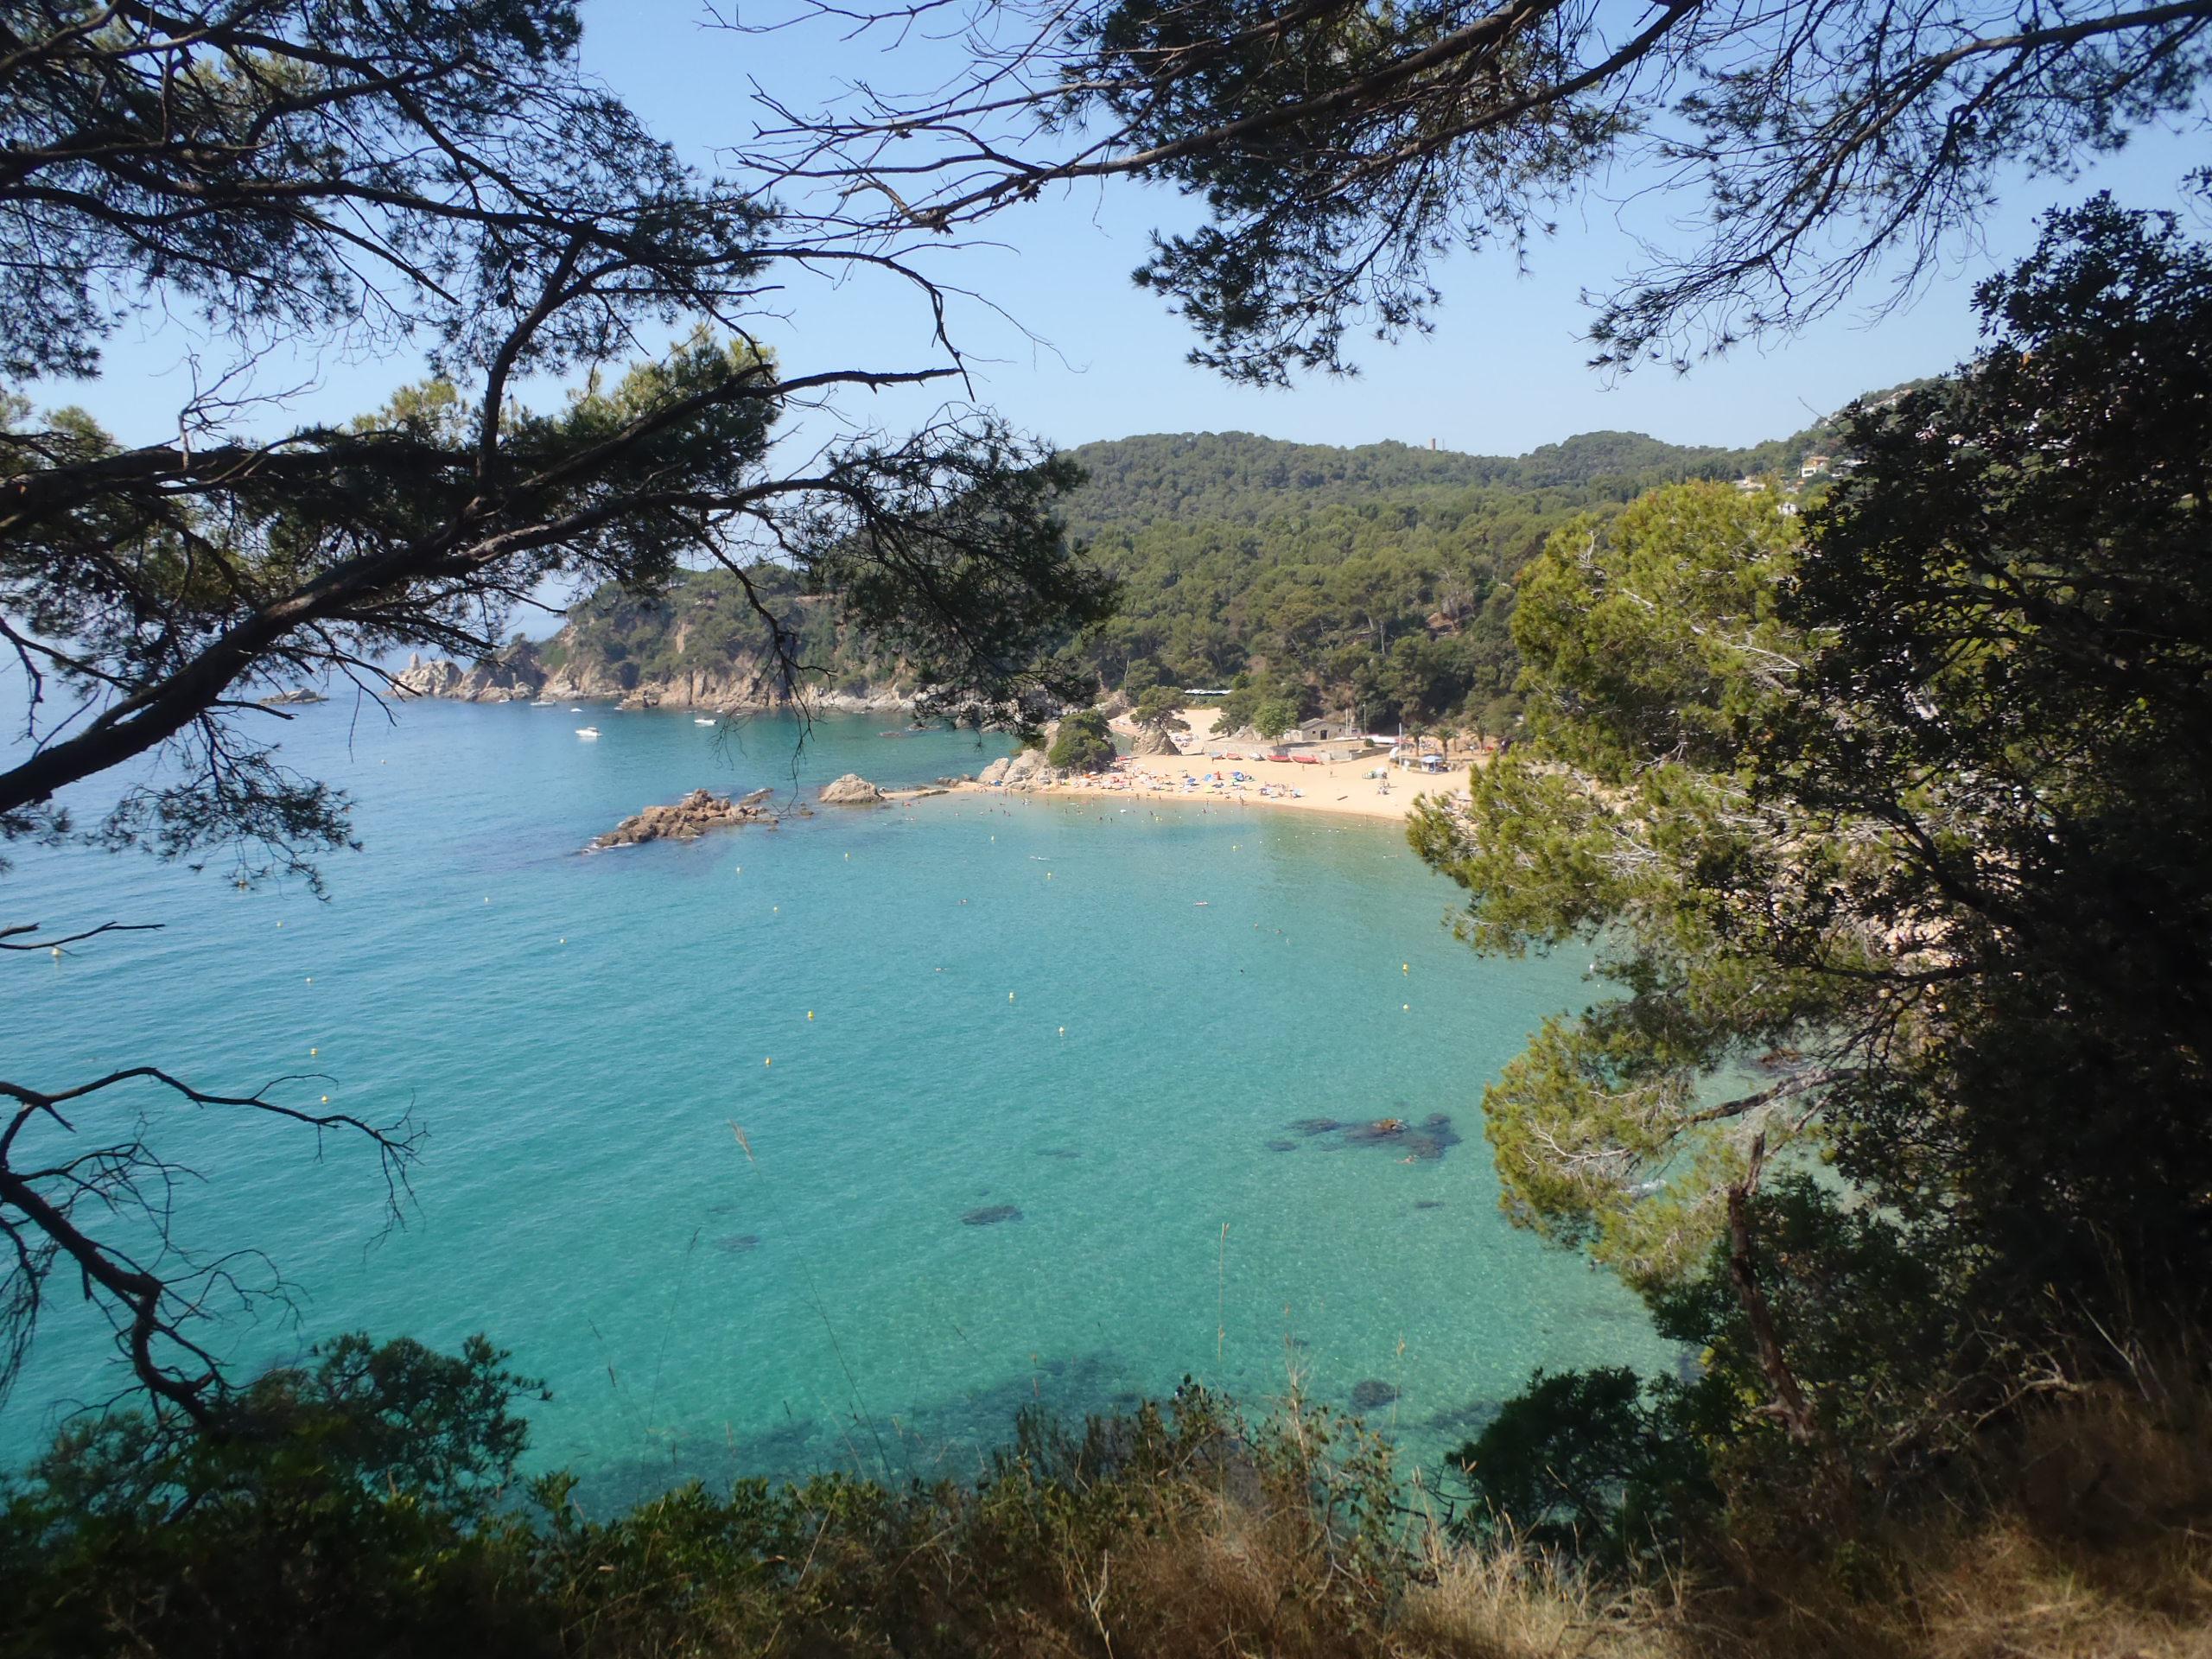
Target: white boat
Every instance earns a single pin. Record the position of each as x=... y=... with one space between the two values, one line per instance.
x=543 y=702
x=587 y=731
x=575 y=710
x=701 y=720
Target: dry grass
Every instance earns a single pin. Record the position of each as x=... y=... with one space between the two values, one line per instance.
x=2088 y=1538
x=1508 y=1602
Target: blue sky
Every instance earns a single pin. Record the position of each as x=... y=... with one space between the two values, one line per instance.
x=1503 y=373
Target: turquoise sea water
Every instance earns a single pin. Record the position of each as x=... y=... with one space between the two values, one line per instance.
x=1108 y=1021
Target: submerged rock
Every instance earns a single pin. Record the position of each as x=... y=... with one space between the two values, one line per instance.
x=1372 y=1393
x=687 y=819
x=991 y=1215
x=851 y=790
x=738 y=1243
x=1282 y=1146
x=1425 y=1144
x=1382 y=1129
x=299 y=694
x=1428 y=1204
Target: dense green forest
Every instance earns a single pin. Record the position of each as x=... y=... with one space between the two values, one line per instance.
x=1379 y=577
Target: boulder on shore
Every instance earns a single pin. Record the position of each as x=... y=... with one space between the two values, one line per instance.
x=1150 y=740
x=851 y=790
x=1028 y=769
x=687 y=819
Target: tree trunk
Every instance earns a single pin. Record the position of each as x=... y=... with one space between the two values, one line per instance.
x=1789 y=1402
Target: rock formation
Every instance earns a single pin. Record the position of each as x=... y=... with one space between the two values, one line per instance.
x=687 y=819
x=1151 y=740
x=1027 y=771
x=514 y=675
x=851 y=790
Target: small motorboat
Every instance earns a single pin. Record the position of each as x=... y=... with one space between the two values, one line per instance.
x=701 y=720
x=587 y=731
x=543 y=702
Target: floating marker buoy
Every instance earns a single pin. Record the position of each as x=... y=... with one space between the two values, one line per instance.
x=810 y=1014
x=280 y=924
x=1063 y=1031
x=1010 y=996
x=57 y=953
x=326 y=1100
x=1406 y=1006
x=487 y=897
x=1405 y=967
x=564 y=939
x=767 y=1062
x=313 y=1052
x=310 y=979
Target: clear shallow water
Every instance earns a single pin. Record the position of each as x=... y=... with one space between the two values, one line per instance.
x=1013 y=1004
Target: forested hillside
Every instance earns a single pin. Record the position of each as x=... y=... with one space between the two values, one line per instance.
x=1379 y=577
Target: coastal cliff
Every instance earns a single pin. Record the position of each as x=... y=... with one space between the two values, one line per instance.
x=702 y=645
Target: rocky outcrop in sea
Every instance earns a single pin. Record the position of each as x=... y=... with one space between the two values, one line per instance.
x=852 y=790
x=688 y=819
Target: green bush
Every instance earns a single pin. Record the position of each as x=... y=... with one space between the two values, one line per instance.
x=1085 y=743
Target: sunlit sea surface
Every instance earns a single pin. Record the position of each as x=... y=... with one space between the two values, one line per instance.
x=1105 y=1027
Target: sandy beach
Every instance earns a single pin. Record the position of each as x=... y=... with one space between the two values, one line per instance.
x=1343 y=787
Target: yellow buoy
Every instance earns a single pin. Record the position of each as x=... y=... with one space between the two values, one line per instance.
x=57 y=953
x=1010 y=996
x=1407 y=1007
x=810 y=1014
x=1405 y=967
x=313 y=1052
x=326 y=1100
x=767 y=1062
